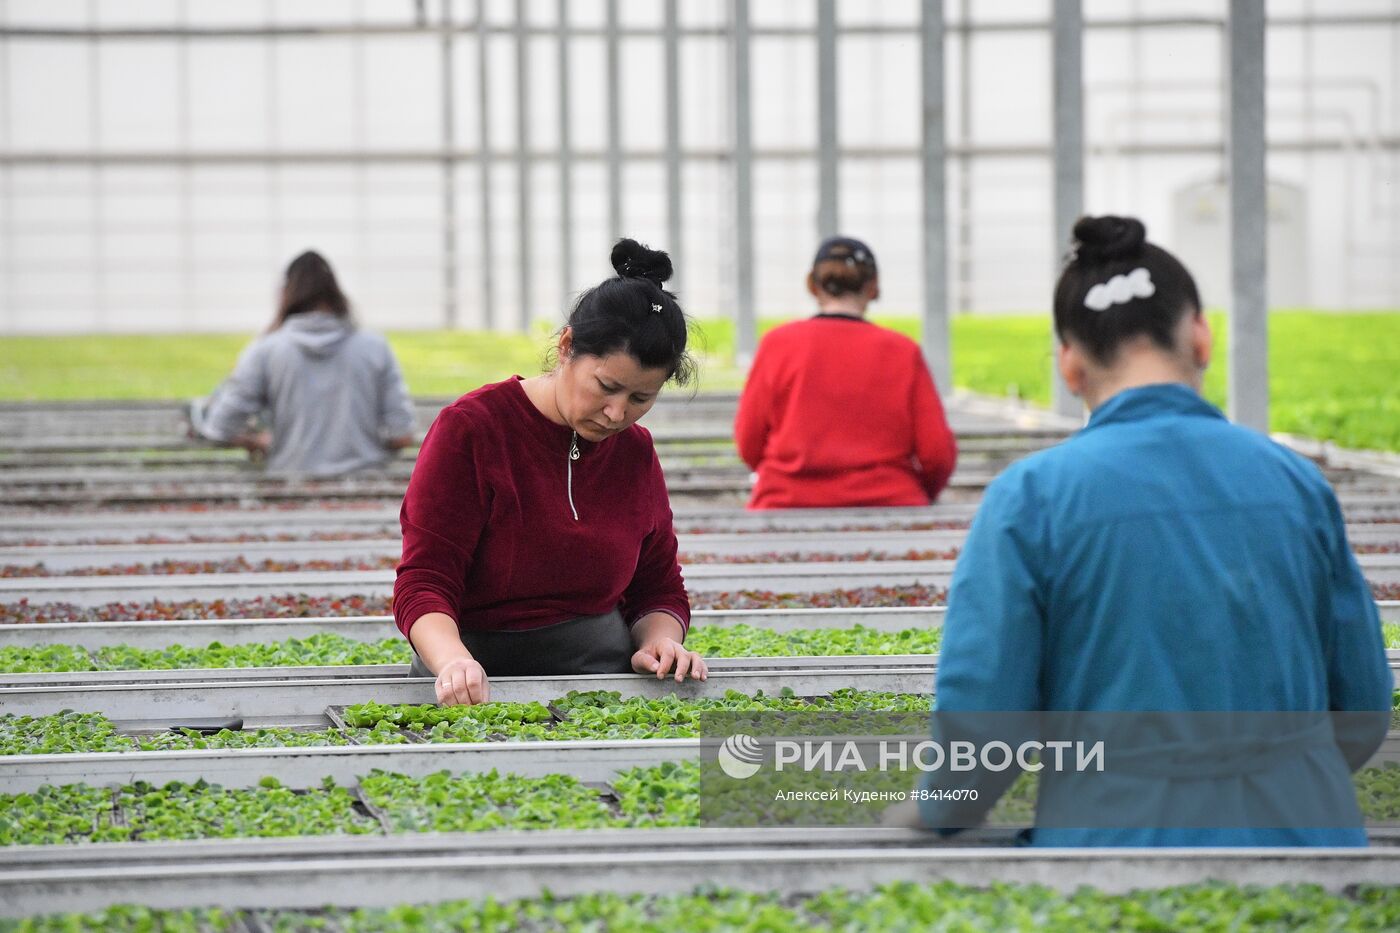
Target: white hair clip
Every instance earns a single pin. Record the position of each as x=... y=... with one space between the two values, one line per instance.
x=656 y=308
x=1120 y=289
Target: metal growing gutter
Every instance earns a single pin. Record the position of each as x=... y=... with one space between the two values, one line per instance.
x=350 y=871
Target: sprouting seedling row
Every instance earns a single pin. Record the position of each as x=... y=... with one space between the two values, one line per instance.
x=896 y=906
x=331 y=649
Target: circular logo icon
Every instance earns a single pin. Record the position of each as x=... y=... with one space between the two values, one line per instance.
x=740 y=756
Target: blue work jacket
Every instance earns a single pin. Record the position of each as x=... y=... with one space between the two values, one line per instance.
x=1163 y=558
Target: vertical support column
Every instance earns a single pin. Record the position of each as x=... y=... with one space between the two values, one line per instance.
x=522 y=160
x=7 y=188
x=271 y=99
x=1068 y=63
x=936 y=340
x=674 y=207
x=99 y=271
x=745 y=322
x=275 y=259
x=1395 y=162
x=566 y=171
x=828 y=167
x=187 y=315
x=449 y=174
x=614 y=77
x=964 y=277
x=359 y=140
x=483 y=90
x=1249 y=307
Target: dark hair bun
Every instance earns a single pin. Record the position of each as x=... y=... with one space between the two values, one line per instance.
x=632 y=260
x=1104 y=239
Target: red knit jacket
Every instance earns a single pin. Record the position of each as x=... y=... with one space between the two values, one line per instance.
x=838 y=411
x=489 y=532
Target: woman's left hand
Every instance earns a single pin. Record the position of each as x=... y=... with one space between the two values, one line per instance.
x=659 y=655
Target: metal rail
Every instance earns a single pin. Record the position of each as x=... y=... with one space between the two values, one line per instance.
x=796 y=577
x=1364 y=508
x=93 y=635
x=58 y=558
x=293 y=702
x=680 y=481
x=338 y=672
x=545 y=30
x=64 y=485
x=299 y=696
x=350 y=872
x=663 y=434
x=1006 y=443
x=589 y=761
x=221 y=462
x=791 y=578
x=595 y=762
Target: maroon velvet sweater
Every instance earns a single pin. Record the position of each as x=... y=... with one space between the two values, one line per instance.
x=489 y=532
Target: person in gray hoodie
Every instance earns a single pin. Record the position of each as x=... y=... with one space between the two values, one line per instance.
x=333 y=395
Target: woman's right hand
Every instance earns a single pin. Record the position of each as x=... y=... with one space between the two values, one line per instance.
x=462 y=682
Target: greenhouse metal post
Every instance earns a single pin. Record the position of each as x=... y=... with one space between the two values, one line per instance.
x=1068 y=55
x=936 y=343
x=1248 y=388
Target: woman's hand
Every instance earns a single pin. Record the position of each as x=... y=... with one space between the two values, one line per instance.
x=657 y=636
x=462 y=682
x=660 y=654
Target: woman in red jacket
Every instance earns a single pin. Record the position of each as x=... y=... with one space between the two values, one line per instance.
x=537 y=534
x=838 y=411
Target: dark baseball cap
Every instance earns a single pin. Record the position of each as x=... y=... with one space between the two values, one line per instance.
x=845 y=249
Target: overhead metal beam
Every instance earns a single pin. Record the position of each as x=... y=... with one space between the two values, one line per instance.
x=308 y=31
x=82 y=158
x=1248 y=377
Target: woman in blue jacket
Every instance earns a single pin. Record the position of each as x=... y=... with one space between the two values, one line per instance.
x=1164 y=559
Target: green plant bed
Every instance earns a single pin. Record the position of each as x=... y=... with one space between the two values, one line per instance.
x=1331 y=376
x=70 y=732
x=77 y=813
x=384 y=803
x=597 y=715
x=592 y=715
x=665 y=795
x=901 y=906
x=600 y=715
x=330 y=649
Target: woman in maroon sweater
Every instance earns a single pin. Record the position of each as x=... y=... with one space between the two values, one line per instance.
x=537 y=534
x=837 y=411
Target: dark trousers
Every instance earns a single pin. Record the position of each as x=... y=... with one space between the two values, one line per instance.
x=586 y=645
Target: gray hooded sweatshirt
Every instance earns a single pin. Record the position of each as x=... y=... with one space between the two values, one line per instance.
x=334 y=395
